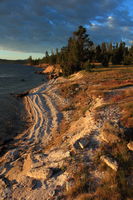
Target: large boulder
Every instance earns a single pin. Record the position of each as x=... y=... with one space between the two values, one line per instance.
x=110 y=162
x=31 y=162
x=40 y=173
x=14 y=172
x=57 y=155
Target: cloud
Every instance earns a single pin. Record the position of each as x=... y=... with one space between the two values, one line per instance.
x=37 y=25
x=113 y=28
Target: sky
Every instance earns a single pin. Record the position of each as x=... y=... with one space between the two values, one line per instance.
x=30 y=27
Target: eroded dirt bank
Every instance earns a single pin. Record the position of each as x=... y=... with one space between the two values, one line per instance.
x=50 y=158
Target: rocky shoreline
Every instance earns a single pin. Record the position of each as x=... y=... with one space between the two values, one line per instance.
x=63 y=135
x=31 y=140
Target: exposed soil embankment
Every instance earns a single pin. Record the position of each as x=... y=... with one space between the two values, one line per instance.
x=55 y=158
x=52 y=71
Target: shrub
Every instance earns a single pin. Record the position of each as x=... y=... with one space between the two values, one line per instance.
x=88 y=66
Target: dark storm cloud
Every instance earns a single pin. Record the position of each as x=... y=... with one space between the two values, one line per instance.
x=37 y=25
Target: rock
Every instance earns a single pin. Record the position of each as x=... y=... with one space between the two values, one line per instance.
x=36 y=184
x=40 y=173
x=69 y=184
x=82 y=143
x=36 y=164
x=32 y=162
x=77 y=89
x=52 y=193
x=2 y=184
x=2 y=170
x=14 y=172
x=12 y=155
x=130 y=145
x=44 y=186
x=110 y=162
x=62 y=197
x=57 y=155
x=5 y=192
x=26 y=182
x=40 y=157
x=109 y=137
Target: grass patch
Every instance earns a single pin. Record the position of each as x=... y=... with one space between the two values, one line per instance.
x=83 y=183
x=127 y=113
x=114 y=84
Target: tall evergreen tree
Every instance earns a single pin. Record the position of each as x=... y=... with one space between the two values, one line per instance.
x=103 y=48
x=84 y=44
x=128 y=56
x=57 y=56
x=77 y=51
x=118 y=53
x=30 y=60
x=46 y=57
x=98 y=52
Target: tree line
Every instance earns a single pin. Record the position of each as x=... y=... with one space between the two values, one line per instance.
x=81 y=53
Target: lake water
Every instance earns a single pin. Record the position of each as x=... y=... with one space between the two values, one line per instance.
x=14 y=78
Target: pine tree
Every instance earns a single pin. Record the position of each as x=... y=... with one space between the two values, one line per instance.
x=118 y=53
x=128 y=56
x=46 y=57
x=84 y=44
x=77 y=51
x=98 y=52
x=57 y=56
x=103 y=48
x=30 y=60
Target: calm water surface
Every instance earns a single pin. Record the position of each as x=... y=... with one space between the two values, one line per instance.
x=14 y=79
